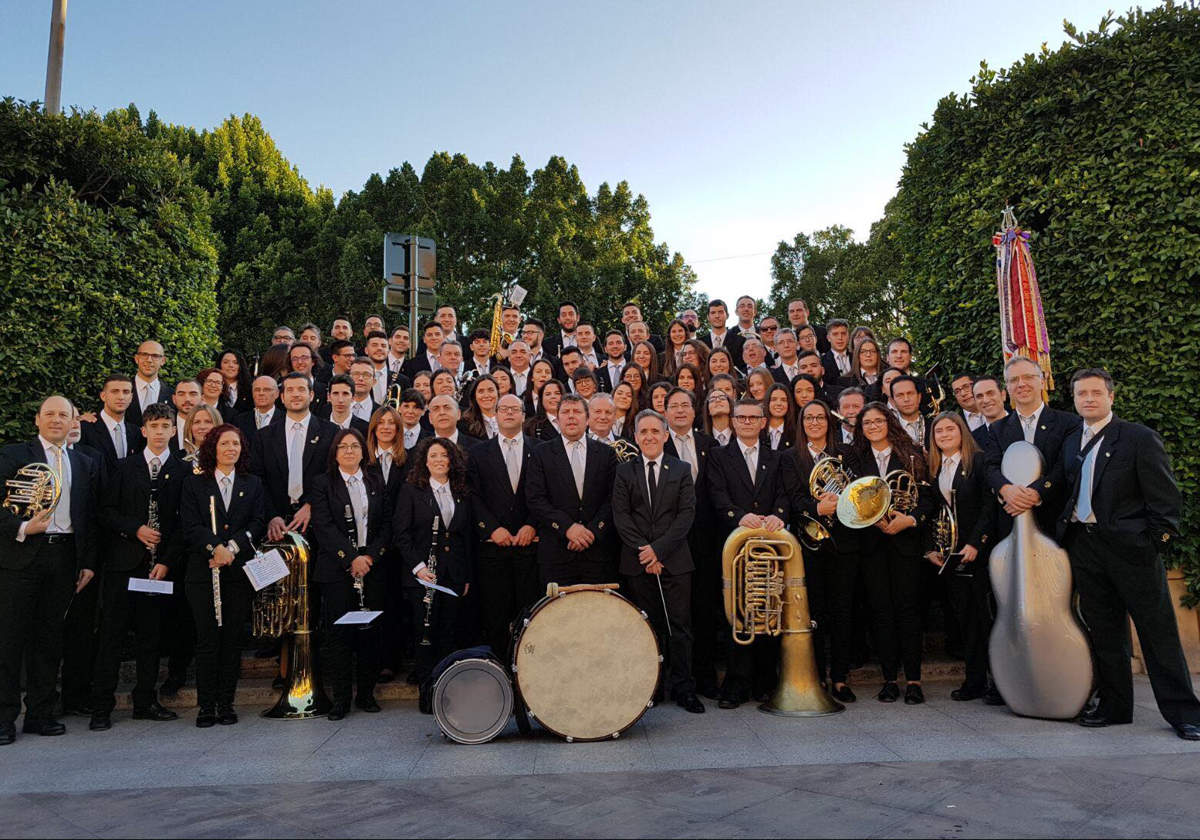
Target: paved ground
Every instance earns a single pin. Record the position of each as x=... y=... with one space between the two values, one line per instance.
x=944 y=770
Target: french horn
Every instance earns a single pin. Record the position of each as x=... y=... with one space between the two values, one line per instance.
x=34 y=490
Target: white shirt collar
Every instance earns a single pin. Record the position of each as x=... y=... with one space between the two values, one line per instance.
x=568 y=443
x=150 y=456
x=950 y=462
x=657 y=461
x=436 y=485
x=142 y=383
x=883 y=455
x=1037 y=414
x=347 y=476
x=47 y=445
x=218 y=474
x=517 y=438
x=111 y=421
x=1099 y=425
x=304 y=423
x=266 y=415
x=744 y=447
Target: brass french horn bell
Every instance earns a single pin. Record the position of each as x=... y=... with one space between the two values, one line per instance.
x=34 y=490
x=865 y=501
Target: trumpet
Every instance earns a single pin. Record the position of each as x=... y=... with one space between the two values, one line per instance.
x=392 y=400
x=34 y=491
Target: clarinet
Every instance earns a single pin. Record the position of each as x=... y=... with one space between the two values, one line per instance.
x=216 y=573
x=152 y=522
x=352 y=532
x=430 y=564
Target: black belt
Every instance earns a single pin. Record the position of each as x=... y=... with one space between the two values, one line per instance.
x=55 y=539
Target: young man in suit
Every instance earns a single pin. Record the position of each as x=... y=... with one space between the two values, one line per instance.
x=748 y=491
x=303 y=359
x=992 y=401
x=608 y=375
x=719 y=335
x=788 y=366
x=1044 y=427
x=568 y=320
x=288 y=456
x=962 y=385
x=798 y=316
x=569 y=491
x=506 y=567
x=907 y=399
x=141 y=547
x=383 y=378
x=362 y=375
x=837 y=359
x=427 y=356
x=341 y=399
x=631 y=313
x=45 y=561
x=147 y=387
x=695 y=448
x=111 y=433
x=1122 y=508
x=654 y=505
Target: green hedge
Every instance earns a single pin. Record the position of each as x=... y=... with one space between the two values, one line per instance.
x=104 y=242
x=1097 y=146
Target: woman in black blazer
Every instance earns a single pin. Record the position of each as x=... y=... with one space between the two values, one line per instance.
x=959 y=477
x=353 y=536
x=890 y=552
x=224 y=485
x=541 y=424
x=437 y=482
x=233 y=368
x=387 y=455
x=830 y=581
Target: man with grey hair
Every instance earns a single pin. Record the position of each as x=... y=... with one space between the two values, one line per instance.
x=45 y=560
x=654 y=505
x=444 y=415
x=602 y=414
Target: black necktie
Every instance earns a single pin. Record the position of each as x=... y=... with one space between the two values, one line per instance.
x=653 y=486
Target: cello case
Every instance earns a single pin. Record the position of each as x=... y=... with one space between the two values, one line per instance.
x=1040 y=657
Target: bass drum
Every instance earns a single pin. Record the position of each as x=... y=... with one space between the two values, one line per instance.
x=473 y=700
x=586 y=663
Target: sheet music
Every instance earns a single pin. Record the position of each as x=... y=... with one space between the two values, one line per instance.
x=359 y=617
x=429 y=585
x=152 y=587
x=266 y=569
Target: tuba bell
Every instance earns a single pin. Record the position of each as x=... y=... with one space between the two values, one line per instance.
x=34 y=490
x=284 y=608
x=766 y=595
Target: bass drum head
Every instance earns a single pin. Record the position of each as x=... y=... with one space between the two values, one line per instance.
x=473 y=700
x=586 y=665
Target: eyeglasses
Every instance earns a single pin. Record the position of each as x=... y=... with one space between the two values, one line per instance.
x=747 y=418
x=816 y=418
x=874 y=424
x=157 y=357
x=509 y=409
x=349 y=447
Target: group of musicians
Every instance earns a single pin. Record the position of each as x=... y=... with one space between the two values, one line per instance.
x=574 y=458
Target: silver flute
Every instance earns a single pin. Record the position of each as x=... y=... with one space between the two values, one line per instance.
x=216 y=573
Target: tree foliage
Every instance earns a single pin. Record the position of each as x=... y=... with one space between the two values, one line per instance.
x=1095 y=145
x=105 y=242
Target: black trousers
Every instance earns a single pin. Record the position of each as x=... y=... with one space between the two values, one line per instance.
x=353 y=652
x=32 y=603
x=706 y=607
x=843 y=609
x=394 y=624
x=971 y=597
x=177 y=628
x=507 y=581
x=1114 y=584
x=219 y=649
x=443 y=622
x=80 y=643
x=120 y=611
x=893 y=580
x=576 y=571
x=676 y=646
x=816 y=573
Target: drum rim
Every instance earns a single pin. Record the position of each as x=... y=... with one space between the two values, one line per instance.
x=519 y=695
x=493 y=667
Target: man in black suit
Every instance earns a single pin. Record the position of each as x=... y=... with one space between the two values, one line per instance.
x=140 y=548
x=1122 y=508
x=384 y=377
x=480 y=344
x=694 y=448
x=264 y=392
x=341 y=401
x=111 y=433
x=444 y=415
x=427 y=355
x=907 y=400
x=608 y=375
x=963 y=385
x=288 y=456
x=992 y=401
x=810 y=363
x=653 y=505
x=519 y=366
x=362 y=377
x=748 y=491
x=533 y=332
x=303 y=359
x=569 y=490
x=1044 y=427
x=506 y=568
x=568 y=320
x=798 y=316
x=184 y=398
x=837 y=359
x=147 y=387
x=788 y=366
x=719 y=335
x=45 y=561
x=631 y=313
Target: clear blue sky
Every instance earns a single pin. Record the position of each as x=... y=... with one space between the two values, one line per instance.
x=742 y=123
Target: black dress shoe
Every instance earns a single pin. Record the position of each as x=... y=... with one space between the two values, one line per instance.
x=101 y=722
x=206 y=718
x=913 y=695
x=1095 y=720
x=367 y=703
x=993 y=697
x=49 y=726
x=844 y=694
x=690 y=703
x=8 y=734
x=968 y=693
x=226 y=716
x=728 y=701
x=171 y=686
x=890 y=693
x=339 y=710
x=154 y=711
x=1188 y=731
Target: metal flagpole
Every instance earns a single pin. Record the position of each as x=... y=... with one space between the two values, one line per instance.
x=54 y=63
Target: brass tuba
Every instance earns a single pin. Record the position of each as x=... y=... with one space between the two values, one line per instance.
x=766 y=595
x=284 y=607
x=33 y=491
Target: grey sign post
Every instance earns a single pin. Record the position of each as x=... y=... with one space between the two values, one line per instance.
x=409 y=276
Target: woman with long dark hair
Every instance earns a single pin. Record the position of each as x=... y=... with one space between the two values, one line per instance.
x=646 y=357
x=720 y=363
x=626 y=402
x=436 y=487
x=866 y=368
x=695 y=352
x=223 y=517
x=274 y=362
x=718 y=416
x=540 y=372
x=543 y=425
x=780 y=431
x=689 y=378
x=656 y=397
x=805 y=389
x=959 y=474
x=672 y=356
x=635 y=376
x=233 y=368
x=479 y=420
x=352 y=524
x=503 y=380
x=890 y=552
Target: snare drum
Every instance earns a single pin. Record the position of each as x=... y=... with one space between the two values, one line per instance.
x=586 y=663
x=473 y=700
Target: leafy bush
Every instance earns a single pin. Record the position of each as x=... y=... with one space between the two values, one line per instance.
x=1097 y=146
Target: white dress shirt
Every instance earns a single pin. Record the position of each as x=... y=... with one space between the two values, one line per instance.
x=116 y=433
x=261 y=421
x=751 y=460
x=882 y=457
x=843 y=362
x=722 y=436
x=361 y=409
x=357 y=487
x=411 y=435
x=790 y=371
x=146 y=392
x=1029 y=422
x=974 y=419
x=613 y=371
x=657 y=462
x=445 y=502
x=290 y=438
x=685 y=445
x=61 y=521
